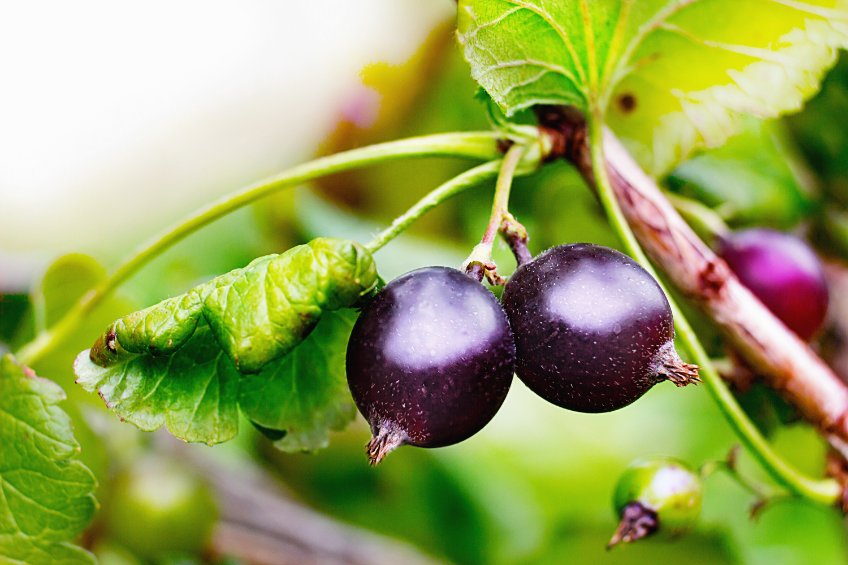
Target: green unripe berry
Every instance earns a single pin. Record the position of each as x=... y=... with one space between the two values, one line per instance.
x=656 y=494
x=159 y=507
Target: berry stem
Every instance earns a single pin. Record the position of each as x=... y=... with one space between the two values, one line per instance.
x=500 y=204
x=471 y=145
x=516 y=237
x=762 y=497
x=824 y=491
x=481 y=255
x=434 y=198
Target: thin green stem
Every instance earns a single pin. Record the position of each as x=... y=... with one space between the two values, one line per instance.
x=471 y=145
x=763 y=496
x=500 y=204
x=706 y=222
x=825 y=491
x=482 y=252
x=433 y=199
x=758 y=491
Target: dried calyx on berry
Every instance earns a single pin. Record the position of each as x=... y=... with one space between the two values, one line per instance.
x=652 y=495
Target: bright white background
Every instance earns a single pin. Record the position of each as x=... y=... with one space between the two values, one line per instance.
x=117 y=118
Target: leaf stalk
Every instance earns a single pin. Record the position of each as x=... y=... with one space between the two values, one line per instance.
x=433 y=199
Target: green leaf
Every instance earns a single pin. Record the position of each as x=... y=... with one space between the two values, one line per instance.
x=180 y=363
x=196 y=392
x=45 y=491
x=669 y=76
x=193 y=392
x=262 y=312
x=257 y=314
x=64 y=282
x=305 y=393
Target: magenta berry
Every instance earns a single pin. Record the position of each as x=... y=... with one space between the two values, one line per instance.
x=430 y=360
x=593 y=329
x=783 y=272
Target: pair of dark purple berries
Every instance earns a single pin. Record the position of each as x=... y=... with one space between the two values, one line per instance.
x=431 y=358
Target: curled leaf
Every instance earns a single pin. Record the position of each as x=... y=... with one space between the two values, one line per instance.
x=256 y=314
x=197 y=392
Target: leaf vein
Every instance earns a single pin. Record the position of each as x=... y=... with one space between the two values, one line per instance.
x=518 y=63
x=552 y=23
x=746 y=50
x=490 y=23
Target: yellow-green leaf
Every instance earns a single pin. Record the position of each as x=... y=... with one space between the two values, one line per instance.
x=669 y=76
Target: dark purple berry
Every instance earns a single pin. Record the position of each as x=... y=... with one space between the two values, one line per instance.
x=783 y=272
x=593 y=329
x=430 y=360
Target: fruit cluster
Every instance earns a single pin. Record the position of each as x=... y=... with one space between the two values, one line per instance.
x=431 y=358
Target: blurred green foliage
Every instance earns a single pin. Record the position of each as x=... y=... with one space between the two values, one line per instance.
x=822 y=135
x=754 y=179
x=535 y=486
x=823 y=139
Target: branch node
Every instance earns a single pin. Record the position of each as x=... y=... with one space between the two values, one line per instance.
x=566 y=129
x=713 y=276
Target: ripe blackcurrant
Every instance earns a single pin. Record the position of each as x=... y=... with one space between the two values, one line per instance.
x=430 y=360
x=656 y=494
x=593 y=329
x=783 y=272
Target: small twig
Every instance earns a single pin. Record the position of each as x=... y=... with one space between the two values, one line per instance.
x=784 y=361
x=762 y=498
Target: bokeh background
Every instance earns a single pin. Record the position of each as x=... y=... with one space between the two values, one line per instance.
x=118 y=119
